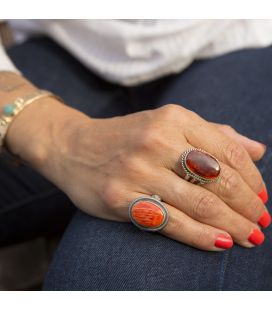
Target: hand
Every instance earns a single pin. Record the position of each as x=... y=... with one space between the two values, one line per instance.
x=103 y=164
x=255 y=149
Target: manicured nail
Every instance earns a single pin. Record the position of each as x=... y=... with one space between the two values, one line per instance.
x=263 y=195
x=265 y=219
x=256 y=237
x=223 y=242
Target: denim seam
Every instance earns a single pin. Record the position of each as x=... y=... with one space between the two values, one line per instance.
x=222 y=273
x=27 y=200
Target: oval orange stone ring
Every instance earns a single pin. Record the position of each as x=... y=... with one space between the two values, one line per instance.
x=200 y=166
x=148 y=213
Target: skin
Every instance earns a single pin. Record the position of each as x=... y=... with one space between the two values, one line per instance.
x=103 y=164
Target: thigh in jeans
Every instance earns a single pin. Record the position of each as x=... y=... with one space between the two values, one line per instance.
x=102 y=255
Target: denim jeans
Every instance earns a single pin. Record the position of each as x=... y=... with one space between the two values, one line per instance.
x=96 y=254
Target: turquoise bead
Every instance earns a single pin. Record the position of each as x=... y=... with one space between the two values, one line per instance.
x=9 y=109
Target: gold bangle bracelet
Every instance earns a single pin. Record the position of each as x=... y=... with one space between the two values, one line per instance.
x=11 y=110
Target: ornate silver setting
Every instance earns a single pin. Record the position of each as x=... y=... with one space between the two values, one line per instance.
x=156 y=200
x=190 y=175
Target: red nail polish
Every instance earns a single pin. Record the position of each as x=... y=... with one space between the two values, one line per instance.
x=263 y=195
x=256 y=237
x=265 y=219
x=223 y=242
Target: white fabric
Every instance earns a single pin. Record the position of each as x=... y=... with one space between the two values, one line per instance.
x=130 y=52
x=5 y=63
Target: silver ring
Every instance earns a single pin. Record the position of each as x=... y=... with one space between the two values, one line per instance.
x=148 y=213
x=207 y=170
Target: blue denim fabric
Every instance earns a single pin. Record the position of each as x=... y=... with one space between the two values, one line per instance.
x=97 y=254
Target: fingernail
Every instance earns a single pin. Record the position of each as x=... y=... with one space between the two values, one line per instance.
x=256 y=237
x=223 y=242
x=263 y=195
x=265 y=219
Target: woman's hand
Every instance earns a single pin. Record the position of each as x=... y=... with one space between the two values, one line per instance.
x=255 y=149
x=103 y=164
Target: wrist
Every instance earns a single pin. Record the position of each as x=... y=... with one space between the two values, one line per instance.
x=13 y=85
x=40 y=133
x=28 y=135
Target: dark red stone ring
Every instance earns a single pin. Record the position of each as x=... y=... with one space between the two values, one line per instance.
x=200 y=166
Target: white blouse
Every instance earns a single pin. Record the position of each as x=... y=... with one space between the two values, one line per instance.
x=130 y=52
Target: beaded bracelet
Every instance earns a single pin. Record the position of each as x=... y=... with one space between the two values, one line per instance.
x=10 y=110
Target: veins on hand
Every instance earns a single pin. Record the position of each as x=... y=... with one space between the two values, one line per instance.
x=10 y=81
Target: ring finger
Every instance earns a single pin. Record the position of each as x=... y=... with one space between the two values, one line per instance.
x=183 y=228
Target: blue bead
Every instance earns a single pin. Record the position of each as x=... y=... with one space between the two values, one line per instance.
x=8 y=109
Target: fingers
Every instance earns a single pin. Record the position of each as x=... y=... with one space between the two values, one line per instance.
x=231 y=190
x=180 y=226
x=205 y=207
x=184 y=229
x=255 y=149
x=236 y=193
x=225 y=149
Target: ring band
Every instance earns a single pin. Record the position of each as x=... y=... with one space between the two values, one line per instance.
x=148 y=213
x=200 y=166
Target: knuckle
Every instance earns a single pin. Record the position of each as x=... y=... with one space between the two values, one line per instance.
x=229 y=180
x=170 y=110
x=111 y=193
x=228 y=127
x=204 y=207
x=191 y=117
x=150 y=138
x=235 y=155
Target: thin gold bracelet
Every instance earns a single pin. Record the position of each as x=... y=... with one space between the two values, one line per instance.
x=11 y=110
